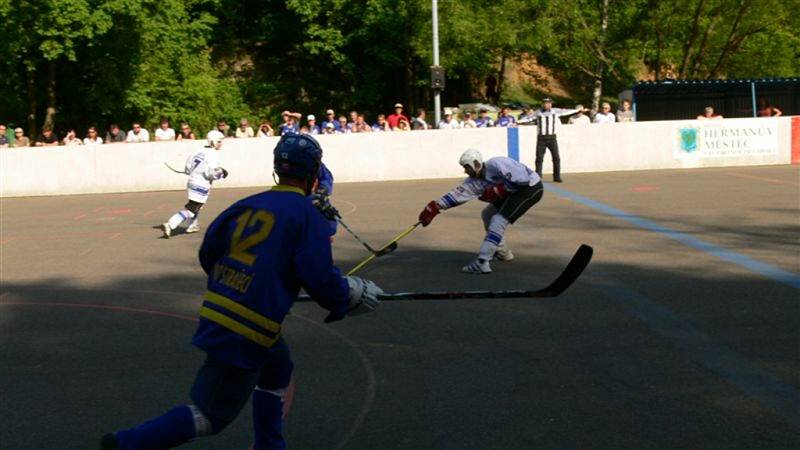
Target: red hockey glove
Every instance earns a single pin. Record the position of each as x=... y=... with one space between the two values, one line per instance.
x=427 y=214
x=492 y=193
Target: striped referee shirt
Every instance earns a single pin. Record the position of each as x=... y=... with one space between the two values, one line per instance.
x=546 y=120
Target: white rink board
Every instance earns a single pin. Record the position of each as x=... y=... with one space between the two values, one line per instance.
x=412 y=155
x=652 y=145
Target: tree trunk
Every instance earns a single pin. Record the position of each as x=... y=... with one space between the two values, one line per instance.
x=408 y=83
x=659 y=49
x=30 y=81
x=49 y=118
x=597 y=92
x=500 y=78
x=700 y=56
x=729 y=43
x=687 y=46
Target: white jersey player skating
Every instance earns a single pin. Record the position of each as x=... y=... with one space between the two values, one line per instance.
x=511 y=189
x=203 y=169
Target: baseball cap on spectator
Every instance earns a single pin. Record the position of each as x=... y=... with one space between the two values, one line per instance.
x=329 y=112
x=311 y=117
x=286 y=113
x=18 y=130
x=329 y=125
x=547 y=100
x=398 y=105
x=579 y=107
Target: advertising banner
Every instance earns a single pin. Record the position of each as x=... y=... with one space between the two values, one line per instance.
x=725 y=138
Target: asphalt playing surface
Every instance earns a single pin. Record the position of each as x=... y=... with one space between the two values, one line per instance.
x=684 y=332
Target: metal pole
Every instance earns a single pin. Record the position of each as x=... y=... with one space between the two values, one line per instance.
x=753 y=94
x=437 y=99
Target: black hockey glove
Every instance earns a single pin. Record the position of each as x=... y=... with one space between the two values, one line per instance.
x=323 y=204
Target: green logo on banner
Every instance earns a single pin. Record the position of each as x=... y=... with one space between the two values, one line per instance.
x=688 y=139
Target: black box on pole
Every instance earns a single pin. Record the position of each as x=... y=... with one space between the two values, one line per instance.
x=437 y=78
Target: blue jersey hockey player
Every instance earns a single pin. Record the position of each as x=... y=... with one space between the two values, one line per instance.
x=258 y=254
x=510 y=188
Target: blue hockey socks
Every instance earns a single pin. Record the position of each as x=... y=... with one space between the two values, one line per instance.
x=268 y=419
x=173 y=428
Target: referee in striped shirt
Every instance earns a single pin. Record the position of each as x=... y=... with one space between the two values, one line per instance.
x=546 y=119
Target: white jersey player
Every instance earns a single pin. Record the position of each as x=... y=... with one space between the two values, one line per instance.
x=511 y=189
x=203 y=169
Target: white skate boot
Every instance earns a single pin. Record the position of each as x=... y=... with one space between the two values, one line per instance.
x=166 y=229
x=477 y=266
x=503 y=253
x=193 y=228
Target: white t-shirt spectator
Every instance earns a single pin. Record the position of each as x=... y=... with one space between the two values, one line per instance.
x=97 y=141
x=164 y=135
x=604 y=118
x=580 y=119
x=246 y=133
x=624 y=116
x=469 y=123
x=143 y=136
x=73 y=141
x=452 y=124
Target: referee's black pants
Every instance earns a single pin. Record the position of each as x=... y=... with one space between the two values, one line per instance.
x=544 y=142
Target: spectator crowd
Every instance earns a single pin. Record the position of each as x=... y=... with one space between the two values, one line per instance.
x=331 y=123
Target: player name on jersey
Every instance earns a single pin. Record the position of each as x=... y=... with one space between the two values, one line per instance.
x=232 y=278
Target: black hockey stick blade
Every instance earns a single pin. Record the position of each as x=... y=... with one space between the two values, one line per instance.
x=574 y=268
x=386 y=250
x=571 y=273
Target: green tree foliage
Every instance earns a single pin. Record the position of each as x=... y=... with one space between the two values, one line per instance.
x=114 y=60
x=721 y=38
x=592 y=42
x=478 y=38
x=38 y=34
x=312 y=54
x=84 y=62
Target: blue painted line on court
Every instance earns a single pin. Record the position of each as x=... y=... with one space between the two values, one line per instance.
x=512 y=138
x=753 y=265
x=713 y=355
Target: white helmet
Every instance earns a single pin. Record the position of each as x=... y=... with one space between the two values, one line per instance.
x=214 y=137
x=469 y=157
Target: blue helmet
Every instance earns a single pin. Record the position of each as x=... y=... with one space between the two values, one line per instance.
x=297 y=156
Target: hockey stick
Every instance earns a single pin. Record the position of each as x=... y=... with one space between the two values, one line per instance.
x=571 y=273
x=174 y=169
x=384 y=249
x=574 y=268
x=388 y=249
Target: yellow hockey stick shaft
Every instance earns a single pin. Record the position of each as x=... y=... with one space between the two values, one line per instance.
x=372 y=256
